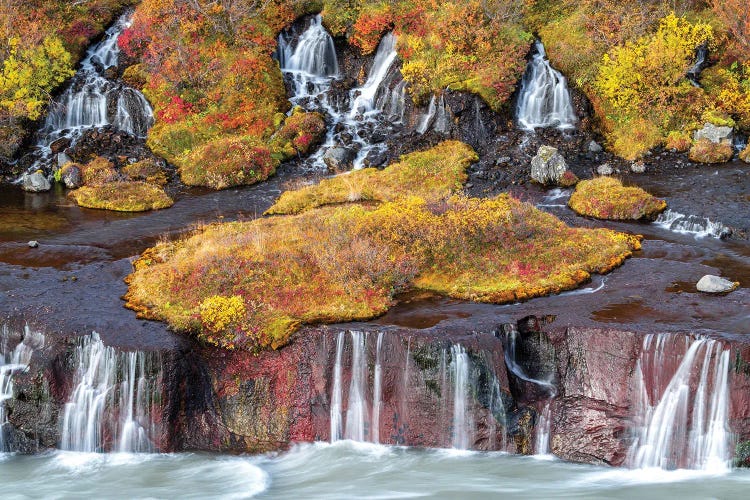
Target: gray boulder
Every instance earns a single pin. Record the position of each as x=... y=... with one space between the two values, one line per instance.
x=604 y=169
x=715 y=134
x=548 y=166
x=72 y=177
x=637 y=167
x=338 y=159
x=35 y=183
x=63 y=159
x=594 y=147
x=715 y=284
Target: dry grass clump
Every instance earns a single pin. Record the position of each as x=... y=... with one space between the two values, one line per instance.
x=347 y=262
x=122 y=196
x=607 y=198
x=432 y=174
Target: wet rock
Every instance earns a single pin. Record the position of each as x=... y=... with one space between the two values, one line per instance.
x=35 y=183
x=72 y=177
x=594 y=147
x=503 y=160
x=715 y=284
x=713 y=133
x=548 y=166
x=638 y=167
x=63 y=159
x=33 y=244
x=60 y=145
x=604 y=169
x=338 y=159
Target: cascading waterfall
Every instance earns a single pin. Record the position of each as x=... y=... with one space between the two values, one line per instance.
x=691 y=224
x=436 y=118
x=336 y=396
x=680 y=427
x=356 y=411
x=310 y=63
x=112 y=403
x=13 y=361
x=511 y=362
x=544 y=99
x=544 y=421
x=92 y=100
x=377 y=391
x=460 y=373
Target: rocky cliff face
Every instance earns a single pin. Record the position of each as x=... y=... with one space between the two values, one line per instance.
x=431 y=387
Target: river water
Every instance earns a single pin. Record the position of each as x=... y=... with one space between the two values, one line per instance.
x=347 y=470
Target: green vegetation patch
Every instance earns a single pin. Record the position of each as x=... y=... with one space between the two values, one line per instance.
x=432 y=174
x=122 y=197
x=607 y=198
x=250 y=285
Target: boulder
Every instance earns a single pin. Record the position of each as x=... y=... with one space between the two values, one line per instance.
x=63 y=159
x=715 y=284
x=338 y=159
x=60 y=145
x=638 y=167
x=33 y=244
x=72 y=177
x=713 y=133
x=594 y=147
x=707 y=151
x=35 y=183
x=604 y=169
x=548 y=166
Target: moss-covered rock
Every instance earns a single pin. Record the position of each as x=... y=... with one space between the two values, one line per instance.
x=607 y=198
x=122 y=197
x=707 y=151
x=147 y=170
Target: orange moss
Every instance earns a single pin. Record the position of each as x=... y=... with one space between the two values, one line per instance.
x=607 y=198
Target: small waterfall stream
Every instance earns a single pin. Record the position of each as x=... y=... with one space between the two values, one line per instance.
x=544 y=99
x=310 y=63
x=13 y=361
x=112 y=407
x=698 y=226
x=544 y=422
x=377 y=391
x=682 y=417
x=460 y=375
x=93 y=100
x=356 y=411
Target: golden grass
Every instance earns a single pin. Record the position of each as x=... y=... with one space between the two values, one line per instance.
x=432 y=174
x=607 y=198
x=122 y=197
x=347 y=262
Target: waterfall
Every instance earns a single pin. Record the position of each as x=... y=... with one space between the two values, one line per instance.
x=544 y=100
x=683 y=418
x=309 y=63
x=336 y=396
x=377 y=391
x=111 y=405
x=544 y=421
x=12 y=362
x=460 y=373
x=364 y=100
x=691 y=224
x=356 y=411
x=92 y=100
x=511 y=362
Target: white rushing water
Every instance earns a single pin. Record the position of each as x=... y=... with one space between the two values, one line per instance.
x=544 y=99
x=543 y=424
x=377 y=391
x=310 y=62
x=13 y=361
x=437 y=116
x=357 y=406
x=111 y=404
x=93 y=100
x=698 y=226
x=460 y=373
x=682 y=424
x=336 y=396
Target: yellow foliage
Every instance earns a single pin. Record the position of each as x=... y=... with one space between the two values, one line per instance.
x=218 y=312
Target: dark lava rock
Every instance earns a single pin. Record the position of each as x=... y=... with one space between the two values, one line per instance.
x=338 y=159
x=60 y=145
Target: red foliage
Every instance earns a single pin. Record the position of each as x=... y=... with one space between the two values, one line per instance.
x=177 y=109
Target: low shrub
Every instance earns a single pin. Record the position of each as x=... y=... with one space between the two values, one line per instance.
x=607 y=198
x=122 y=197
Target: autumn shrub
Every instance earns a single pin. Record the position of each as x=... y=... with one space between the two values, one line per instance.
x=98 y=171
x=147 y=170
x=706 y=151
x=432 y=174
x=349 y=262
x=122 y=196
x=298 y=135
x=607 y=198
x=679 y=141
x=228 y=162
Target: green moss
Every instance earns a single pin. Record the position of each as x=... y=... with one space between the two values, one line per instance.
x=431 y=174
x=122 y=197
